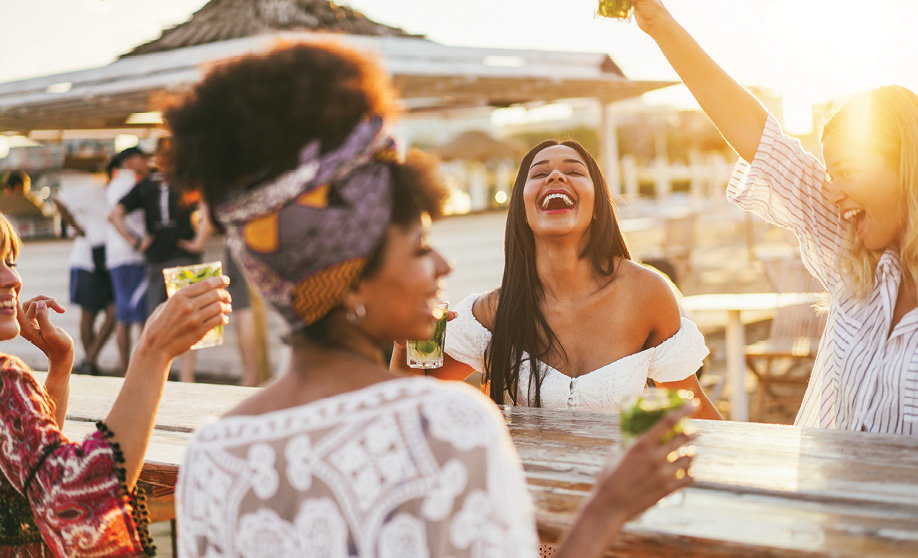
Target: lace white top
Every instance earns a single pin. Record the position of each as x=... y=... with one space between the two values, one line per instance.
x=675 y=359
x=406 y=468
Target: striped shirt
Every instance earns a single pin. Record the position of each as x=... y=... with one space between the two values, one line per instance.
x=864 y=378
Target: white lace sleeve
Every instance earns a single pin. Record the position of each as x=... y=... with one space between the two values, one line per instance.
x=406 y=468
x=680 y=356
x=466 y=339
x=493 y=514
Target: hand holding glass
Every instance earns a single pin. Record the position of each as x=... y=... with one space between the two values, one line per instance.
x=639 y=413
x=183 y=276
x=428 y=353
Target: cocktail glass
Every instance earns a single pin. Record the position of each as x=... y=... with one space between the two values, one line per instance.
x=428 y=353
x=639 y=413
x=182 y=276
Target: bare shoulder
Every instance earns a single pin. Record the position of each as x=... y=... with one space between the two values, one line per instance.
x=645 y=283
x=485 y=308
x=653 y=298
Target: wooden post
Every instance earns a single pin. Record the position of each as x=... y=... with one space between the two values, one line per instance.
x=608 y=146
x=261 y=337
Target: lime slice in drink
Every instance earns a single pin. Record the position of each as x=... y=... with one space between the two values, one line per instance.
x=426 y=347
x=650 y=407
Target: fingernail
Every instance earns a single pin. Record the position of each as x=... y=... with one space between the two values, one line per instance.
x=226 y=280
x=40 y=304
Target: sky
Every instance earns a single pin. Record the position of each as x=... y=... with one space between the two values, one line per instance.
x=808 y=50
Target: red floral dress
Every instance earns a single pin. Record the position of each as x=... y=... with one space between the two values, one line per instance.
x=57 y=497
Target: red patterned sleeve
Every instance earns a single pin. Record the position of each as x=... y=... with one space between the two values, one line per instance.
x=76 y=490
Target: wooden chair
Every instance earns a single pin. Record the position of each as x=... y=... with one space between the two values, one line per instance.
x=785 y=360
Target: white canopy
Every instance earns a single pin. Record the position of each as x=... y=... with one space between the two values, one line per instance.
x=428 y=75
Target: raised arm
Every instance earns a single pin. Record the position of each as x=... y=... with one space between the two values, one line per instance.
x=735 y=111
x=171 y=330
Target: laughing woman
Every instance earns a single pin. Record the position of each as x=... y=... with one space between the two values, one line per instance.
x=857 y=220
x=339 y=456
x=575 y=323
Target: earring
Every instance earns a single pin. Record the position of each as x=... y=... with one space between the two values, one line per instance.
x=356 y=314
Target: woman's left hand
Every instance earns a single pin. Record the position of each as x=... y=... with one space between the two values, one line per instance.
x=35 y=326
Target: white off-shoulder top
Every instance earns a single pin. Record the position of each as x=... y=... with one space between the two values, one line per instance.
x=600 y=390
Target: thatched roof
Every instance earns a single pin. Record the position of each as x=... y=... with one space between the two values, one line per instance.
x=221 y=20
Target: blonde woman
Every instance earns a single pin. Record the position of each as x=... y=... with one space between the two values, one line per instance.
x=855 y=216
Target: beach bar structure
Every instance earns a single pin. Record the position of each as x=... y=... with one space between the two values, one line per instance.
x=430 y=77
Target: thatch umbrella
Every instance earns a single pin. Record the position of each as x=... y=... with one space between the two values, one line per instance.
x=479 y=146
x=221 y=20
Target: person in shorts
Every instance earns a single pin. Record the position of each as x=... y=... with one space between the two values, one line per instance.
x=125 y=264
x=170 y=238
x=83 y=207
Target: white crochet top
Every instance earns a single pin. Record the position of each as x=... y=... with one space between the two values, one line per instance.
x=600 y=390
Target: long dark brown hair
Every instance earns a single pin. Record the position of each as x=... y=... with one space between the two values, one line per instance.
x=519 y=324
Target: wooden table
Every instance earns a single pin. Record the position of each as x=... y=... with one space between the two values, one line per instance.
x=735 y=337
x=762 y=491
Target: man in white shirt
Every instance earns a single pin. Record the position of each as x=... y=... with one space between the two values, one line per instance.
x=82 y=205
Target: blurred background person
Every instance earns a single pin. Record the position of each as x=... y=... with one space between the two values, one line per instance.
x=17 y=199
x=84 y=208
x=243 y=320
x=18 y=183
x=125 y=263
x=170 y=237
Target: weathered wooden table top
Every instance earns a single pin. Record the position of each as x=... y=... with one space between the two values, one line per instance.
x=761 y=490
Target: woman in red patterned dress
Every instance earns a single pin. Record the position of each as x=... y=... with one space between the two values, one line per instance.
x=63 y=498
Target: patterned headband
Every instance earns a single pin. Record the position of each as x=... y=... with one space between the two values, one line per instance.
x=304 y=239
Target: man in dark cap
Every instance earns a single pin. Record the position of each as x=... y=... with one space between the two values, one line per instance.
x=170 y=238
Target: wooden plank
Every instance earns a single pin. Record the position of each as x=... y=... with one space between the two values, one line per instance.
x=185 y=407
x=761 y=490
x=740 y=457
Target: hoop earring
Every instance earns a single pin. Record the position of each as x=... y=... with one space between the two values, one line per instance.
x=356 y=314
